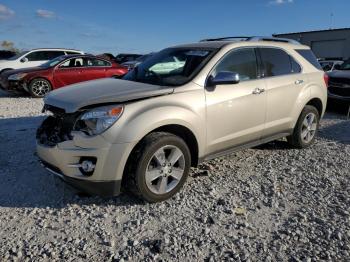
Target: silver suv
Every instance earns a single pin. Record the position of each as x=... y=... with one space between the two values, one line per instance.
x=184 y=105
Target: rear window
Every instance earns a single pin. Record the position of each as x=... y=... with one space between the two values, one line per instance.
x=309 y=56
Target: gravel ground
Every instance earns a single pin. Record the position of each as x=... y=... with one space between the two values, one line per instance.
x=271 y=203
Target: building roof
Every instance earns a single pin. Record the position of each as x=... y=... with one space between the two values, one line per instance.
x=315 y=31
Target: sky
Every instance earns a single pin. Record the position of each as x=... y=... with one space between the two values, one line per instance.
x=144 y=26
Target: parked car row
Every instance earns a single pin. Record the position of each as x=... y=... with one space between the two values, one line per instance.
x=339 y=83
x=6 y=54
x=59 y=72
x=330 y=65
x=39 y=71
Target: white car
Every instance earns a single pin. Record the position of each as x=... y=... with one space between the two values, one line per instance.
x=34 y=58
x=330 y=65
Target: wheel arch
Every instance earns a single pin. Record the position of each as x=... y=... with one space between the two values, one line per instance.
x=178 y=130
x=317 y=103
x=5 y=69
x=186 y=134
x=30 y=80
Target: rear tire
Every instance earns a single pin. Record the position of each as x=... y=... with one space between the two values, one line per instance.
x=305 y=130
x=39 y=87
x=158 y=167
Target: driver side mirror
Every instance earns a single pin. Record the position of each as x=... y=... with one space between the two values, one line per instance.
x=24 y=59
x=224 y=78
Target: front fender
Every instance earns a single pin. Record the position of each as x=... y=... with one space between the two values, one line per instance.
x=141 y=118
x=138 y=127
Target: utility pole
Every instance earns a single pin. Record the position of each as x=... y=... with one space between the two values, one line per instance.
x=331 y=25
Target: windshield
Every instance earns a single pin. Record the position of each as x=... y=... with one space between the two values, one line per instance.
x=170 y=67
x=18 y=55
x=143 y=58
x=53 y=62
x=345 y=65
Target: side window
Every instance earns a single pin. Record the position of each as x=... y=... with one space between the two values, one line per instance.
x=72 y=53
x=53 y=54
x=241 y=61
x=309 y=56
x=37 y=56
x=97 y=62
x=276 y=62
x=295 y=66
x=74 y=62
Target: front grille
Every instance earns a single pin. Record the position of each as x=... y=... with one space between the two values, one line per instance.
x=339 y=91
x=339 y=81
x=56 y=128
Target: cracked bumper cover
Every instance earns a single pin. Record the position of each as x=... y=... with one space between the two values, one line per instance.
x=107 y=176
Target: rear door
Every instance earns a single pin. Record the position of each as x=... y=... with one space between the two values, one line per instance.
x=95 y=68
x=69 y=72
x=284 y=82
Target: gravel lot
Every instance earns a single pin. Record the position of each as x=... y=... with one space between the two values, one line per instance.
x=271 y=203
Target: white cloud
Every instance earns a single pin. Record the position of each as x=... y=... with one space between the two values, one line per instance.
x=5 y=12
x=45 y=13
x=280 y=2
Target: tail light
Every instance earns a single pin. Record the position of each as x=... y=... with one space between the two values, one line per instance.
x=326 y=79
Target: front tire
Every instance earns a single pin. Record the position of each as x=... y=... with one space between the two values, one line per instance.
x=39 y=87
x=158 y=167
x=305 y=130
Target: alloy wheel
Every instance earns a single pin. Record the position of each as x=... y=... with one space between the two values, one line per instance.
x=309 y=127
x=40 y=88
x=165 y=169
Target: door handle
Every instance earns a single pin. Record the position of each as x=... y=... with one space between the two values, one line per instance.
x=299 y=82
x=258 y=91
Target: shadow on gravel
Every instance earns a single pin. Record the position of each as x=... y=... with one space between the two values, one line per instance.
x=24 y=183
x=339 y=132
x=274 y=145
x=7 y=94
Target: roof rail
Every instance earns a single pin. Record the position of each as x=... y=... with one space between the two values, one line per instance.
x=273 y=39
x=237 y=38
x=253 y=38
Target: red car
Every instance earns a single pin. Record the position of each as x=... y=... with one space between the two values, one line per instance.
x=59 y=72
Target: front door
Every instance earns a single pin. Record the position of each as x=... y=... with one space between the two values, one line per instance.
x=69 y=72
x=236 y=112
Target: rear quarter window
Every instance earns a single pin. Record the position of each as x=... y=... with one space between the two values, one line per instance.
x=310 y=57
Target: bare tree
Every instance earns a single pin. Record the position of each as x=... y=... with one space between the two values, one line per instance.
x=8 y=45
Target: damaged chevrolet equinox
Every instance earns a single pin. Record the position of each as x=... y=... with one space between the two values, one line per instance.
x=183 y=105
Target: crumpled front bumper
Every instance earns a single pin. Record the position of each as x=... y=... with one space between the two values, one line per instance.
x=61 y=160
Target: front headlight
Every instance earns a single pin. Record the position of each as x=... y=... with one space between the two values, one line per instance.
x=17 y=77
x=98 y=120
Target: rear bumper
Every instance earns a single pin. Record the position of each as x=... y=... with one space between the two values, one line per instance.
x=101 y=188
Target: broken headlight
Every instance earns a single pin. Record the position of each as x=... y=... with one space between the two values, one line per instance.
x=98 y=120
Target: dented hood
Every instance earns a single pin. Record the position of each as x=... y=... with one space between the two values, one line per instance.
x=108 y=90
